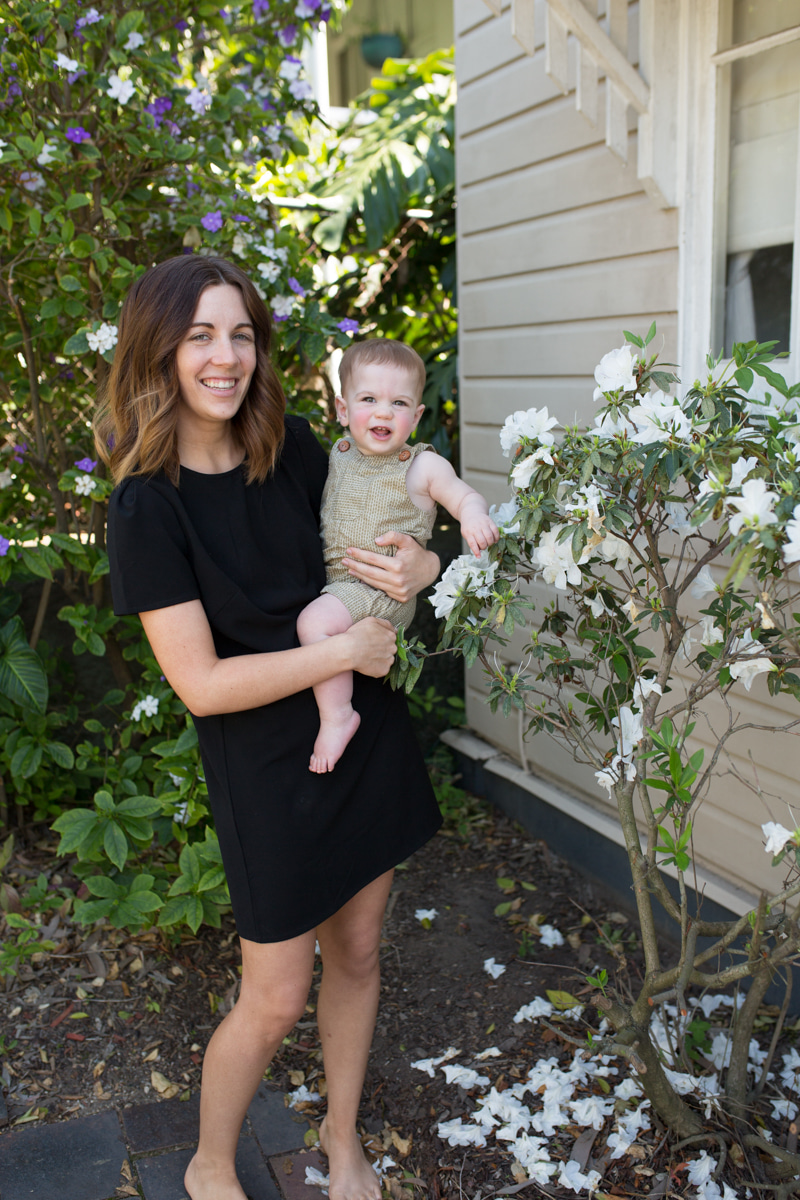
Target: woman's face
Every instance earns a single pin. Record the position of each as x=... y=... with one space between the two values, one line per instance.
x=216 y=359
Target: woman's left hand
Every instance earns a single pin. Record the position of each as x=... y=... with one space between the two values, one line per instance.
x=401 y=575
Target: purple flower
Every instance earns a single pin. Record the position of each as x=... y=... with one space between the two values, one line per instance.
x=191 y=187
x=73 y=75
x=157 y=109
x=86 y=464
x=76 y=133
x=172 y=129
x=267 y=105
x=181 y=26
x=260 y=8
x=4 y=545
x=13 y=89
x=240 y=217
x=223 y=12
x=348 y=325
x=91 y=18
x=20 y=451
x=296 y=287
x=288 y=35
x=111 y=441
x=212 y=221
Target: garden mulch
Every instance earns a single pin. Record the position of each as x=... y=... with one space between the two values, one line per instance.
x=103 y=1038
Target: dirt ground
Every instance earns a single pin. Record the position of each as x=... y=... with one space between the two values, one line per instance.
x=109 y=1019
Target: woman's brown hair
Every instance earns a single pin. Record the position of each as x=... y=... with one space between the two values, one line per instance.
x=136 y=425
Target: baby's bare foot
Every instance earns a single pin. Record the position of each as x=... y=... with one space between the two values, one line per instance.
x=351 y=1176
x=205 y=1184
x=332 y=741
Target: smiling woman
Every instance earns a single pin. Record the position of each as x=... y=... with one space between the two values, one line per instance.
x=213 y=539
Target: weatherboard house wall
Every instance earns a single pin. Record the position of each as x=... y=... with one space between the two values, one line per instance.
x=586 y=205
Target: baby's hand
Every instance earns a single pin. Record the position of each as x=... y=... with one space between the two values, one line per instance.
x=480 y=532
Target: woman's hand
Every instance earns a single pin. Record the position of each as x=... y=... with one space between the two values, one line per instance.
x=402 y=575
x=372 y=645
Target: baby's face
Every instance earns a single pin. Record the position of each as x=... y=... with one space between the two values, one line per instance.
x=380 y=407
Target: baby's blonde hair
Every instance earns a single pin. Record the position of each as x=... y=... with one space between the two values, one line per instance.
x=383 y=350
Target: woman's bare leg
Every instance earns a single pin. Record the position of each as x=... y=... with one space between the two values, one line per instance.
x=338 y=720
x=348 y=1003
x=275 y=982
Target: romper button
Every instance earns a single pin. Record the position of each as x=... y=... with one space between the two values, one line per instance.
x=404 y=455
x=344 y=447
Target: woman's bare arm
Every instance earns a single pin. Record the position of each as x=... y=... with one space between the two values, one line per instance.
x=181 y=639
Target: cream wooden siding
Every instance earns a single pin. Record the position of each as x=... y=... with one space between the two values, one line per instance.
x=560 y=250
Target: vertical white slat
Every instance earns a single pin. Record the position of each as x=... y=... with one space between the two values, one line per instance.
x=556 y=62
x=522 y=24
x=586 y=97
x=616 y=104
x=657 y=143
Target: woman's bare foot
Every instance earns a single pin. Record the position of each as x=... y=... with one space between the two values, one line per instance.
x=203 y=1184
x=351 y=1176
x=332 y=741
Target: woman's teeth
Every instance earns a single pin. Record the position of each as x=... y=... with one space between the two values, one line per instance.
x=220 y=385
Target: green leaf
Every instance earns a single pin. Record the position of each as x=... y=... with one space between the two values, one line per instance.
x=128 y=24
x=562 y=1000
x=23 y=679
x=35 y=562
x=34 y=221
x=68 y=283
x=77 y=199
x=115 y=844
x=61 y=754
x=77 y=344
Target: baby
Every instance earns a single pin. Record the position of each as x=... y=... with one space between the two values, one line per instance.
x=377 y=483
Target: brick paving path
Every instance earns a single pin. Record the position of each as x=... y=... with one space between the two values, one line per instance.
x=143 y=1150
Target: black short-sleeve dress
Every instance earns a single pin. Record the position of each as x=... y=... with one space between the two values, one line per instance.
x=296 y=846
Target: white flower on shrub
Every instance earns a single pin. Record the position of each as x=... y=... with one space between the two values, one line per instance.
x=5 y=479
x=703 y=584
x=120 y=90
x=607 y=427
x=791 y=550
x=751 y=667
x=282 y=306
x=776 y=836
x=616 y=370
x=554 y=559
x=710 y=632
x=466 y=574
x=269 y=272
x=535 y=425
x=135 y=40
x=643 y=689
x=678 y=514
x=46 y=154
x=84 y=485
x=505 y=517
x=66 y=64
x=148 y=707
x=523 y=471
x=658 y=418
x=614 y=549
x=755 y=507
x=103 y=338
x=630 y=732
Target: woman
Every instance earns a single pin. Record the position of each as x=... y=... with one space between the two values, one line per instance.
x=213 y=539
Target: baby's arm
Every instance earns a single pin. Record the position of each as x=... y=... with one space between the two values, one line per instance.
x=433 y=478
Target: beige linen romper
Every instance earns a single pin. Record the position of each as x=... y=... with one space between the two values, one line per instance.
x=365 y=496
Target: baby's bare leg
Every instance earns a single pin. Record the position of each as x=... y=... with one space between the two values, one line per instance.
x=323 y=618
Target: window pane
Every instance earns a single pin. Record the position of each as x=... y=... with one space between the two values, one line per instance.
x=758 y=18
x=765 y=112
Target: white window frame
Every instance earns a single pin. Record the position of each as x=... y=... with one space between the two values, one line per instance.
x=703 y=144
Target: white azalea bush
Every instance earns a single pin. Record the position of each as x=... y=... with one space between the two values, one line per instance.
x=668 y=534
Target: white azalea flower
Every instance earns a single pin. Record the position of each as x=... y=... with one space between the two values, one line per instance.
x=490 y=1052
x=616 y=370
x=551 y=936
x=466 y=575
x=554 y=559
x=493 y=968
x=791 y=550
x=120 y=90
x=464 y=1077
x=703 y=584
x=504 y=516
x=607 y=427
x=701 y=1169
x=616 y=551
x=740 y=470
x=790 y=1073
x=747 y=671
x=658 y=418
x=644 y=688
x=573 y=1178
x=456 y=1133
x=537 y=1008
x=628 y=1088
x=710 y=632
x=619 y=1143
x=523 y=471
x=66 y=64
x=754 y=507
x=776 y=836
x=630 y=731
x=426 y=914
x=535 y=425
x=591 y=1111
x=678 y=514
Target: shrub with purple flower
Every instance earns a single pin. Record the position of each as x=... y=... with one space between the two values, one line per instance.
x=4 y=545
x=212 y=221
x=347 y=325
x=77 y=134
x=86 y=464
x=288 y=35
x=158 y=109
x=20 y=451
x=296 y=287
